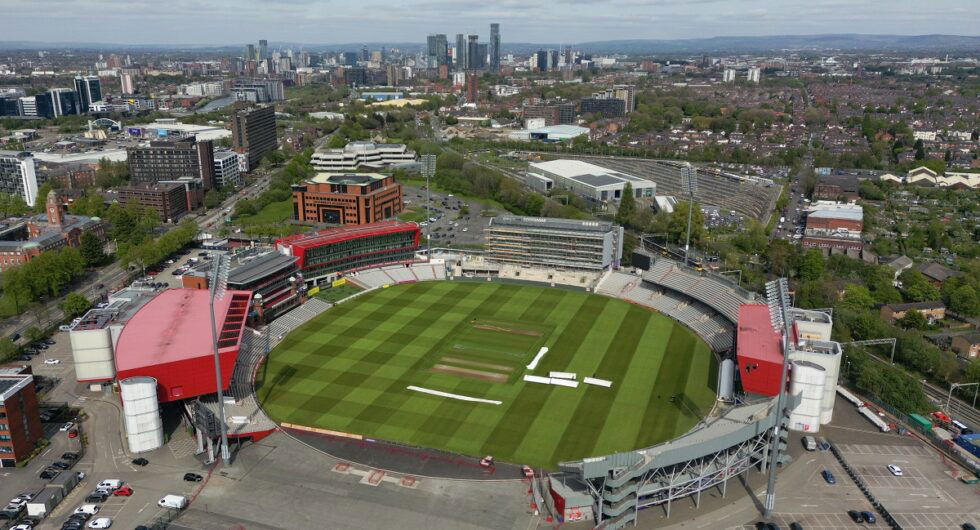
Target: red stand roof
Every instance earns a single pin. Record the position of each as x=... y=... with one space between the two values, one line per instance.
x=759 y=350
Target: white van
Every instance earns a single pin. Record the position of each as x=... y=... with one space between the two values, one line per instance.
x=174 y=502
x=90 y=509
x=111 y=484
x=810 y=443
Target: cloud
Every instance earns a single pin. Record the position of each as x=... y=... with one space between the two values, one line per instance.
x=233 y=22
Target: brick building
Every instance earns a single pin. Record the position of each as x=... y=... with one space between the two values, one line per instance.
x=22 y=241
x=20 y=423
x=347 y=198
x=967 y=346
x=832 y=225
x=171 y=160
x=931 y=310
x=169 y=199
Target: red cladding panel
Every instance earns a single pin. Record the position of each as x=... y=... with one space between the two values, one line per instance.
x=759 y=351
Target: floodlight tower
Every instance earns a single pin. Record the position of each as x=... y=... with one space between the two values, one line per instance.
x=428 y=171
x=689 y=182
x=218 y=287
x=777 y=295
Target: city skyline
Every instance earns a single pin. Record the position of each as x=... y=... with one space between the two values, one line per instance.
x=224 y=22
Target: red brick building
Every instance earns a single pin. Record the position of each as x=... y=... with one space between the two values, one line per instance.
x=20 y=423
x=347 y=198
x=52 y=230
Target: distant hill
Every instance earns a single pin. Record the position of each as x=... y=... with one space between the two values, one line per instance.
x=843 y=42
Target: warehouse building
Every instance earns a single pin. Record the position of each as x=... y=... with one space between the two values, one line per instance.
x=562 y=244
x=594 y=183
x=832 y=225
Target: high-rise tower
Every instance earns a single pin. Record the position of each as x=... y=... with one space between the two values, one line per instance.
x=494 y=48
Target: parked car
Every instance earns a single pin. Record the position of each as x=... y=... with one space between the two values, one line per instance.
x=140 y=462
x=90 y=509
x=73 y=433
x=124 y=491
x=828 y=476
x=855 y=516
x=97 y=496
x=64 y=327
x=69 y=456
x=67 y=426
x=868 y=517
x=193 y=477
x=61 y=465
x=49 y=473
x=895 y=470
x=101 y=522
x=52 y=361
x=111 y=484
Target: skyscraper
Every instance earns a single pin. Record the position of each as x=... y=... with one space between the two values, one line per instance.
x=473 y=53
x=89 y=90
x=542 y=58
x=249 y=52
x=253 y=131
x=472 y=87
x=494 y=48
x=263 y=49
x=438 y=50
x=461 y=51
x=127 y=83
x=755 y=74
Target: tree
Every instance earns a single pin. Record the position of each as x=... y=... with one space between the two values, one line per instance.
x=811 y=265
x=11 y=205
x=627 y=206
x=33 y=334
x=212 y=199
x=42 y=196
x=916 y=287
x=7 y=349
x=857 y=297
x=91 y=250
x=964 y=301
x=913 y=320
x=274 y=158
x=75 y=305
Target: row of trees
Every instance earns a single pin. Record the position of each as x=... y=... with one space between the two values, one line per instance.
x=153 y=251
x=47 y=275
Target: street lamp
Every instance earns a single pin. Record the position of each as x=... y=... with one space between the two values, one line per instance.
x=428 y=171
x=219 y=284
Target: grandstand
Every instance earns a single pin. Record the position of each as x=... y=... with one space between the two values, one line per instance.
x=398 y=273
x=748 y=196
x=702 y=318
x=714 y=291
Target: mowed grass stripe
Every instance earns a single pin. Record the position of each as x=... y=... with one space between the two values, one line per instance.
x=395 y=398
x=631 y=404
x=595 y=407
x=671 y=381
x=360 y=389
x=509 y=434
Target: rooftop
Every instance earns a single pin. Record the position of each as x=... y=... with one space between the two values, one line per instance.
x=757 y=339
x=344 y=233
x=834 y=210
x=259 y=267
x=551 y=223
x=11 y=384
x=931 y=304
x=350 y=179
x=587 y=173
x=173 y=326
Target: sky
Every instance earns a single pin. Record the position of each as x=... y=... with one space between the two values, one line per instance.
x=235 y=22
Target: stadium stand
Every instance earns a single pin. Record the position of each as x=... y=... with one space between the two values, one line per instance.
x=701 y=317
x=711 y=290
x=395 y=274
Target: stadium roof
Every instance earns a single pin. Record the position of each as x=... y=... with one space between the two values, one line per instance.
x=173 y=326
x=551 y=223
x=577 y=169
x=757 y=340
x=259 y=268
x=344 y=233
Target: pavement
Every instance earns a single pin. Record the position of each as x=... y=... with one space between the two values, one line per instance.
x=452 y=228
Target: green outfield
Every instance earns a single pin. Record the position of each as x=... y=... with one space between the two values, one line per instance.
x=348 y=370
